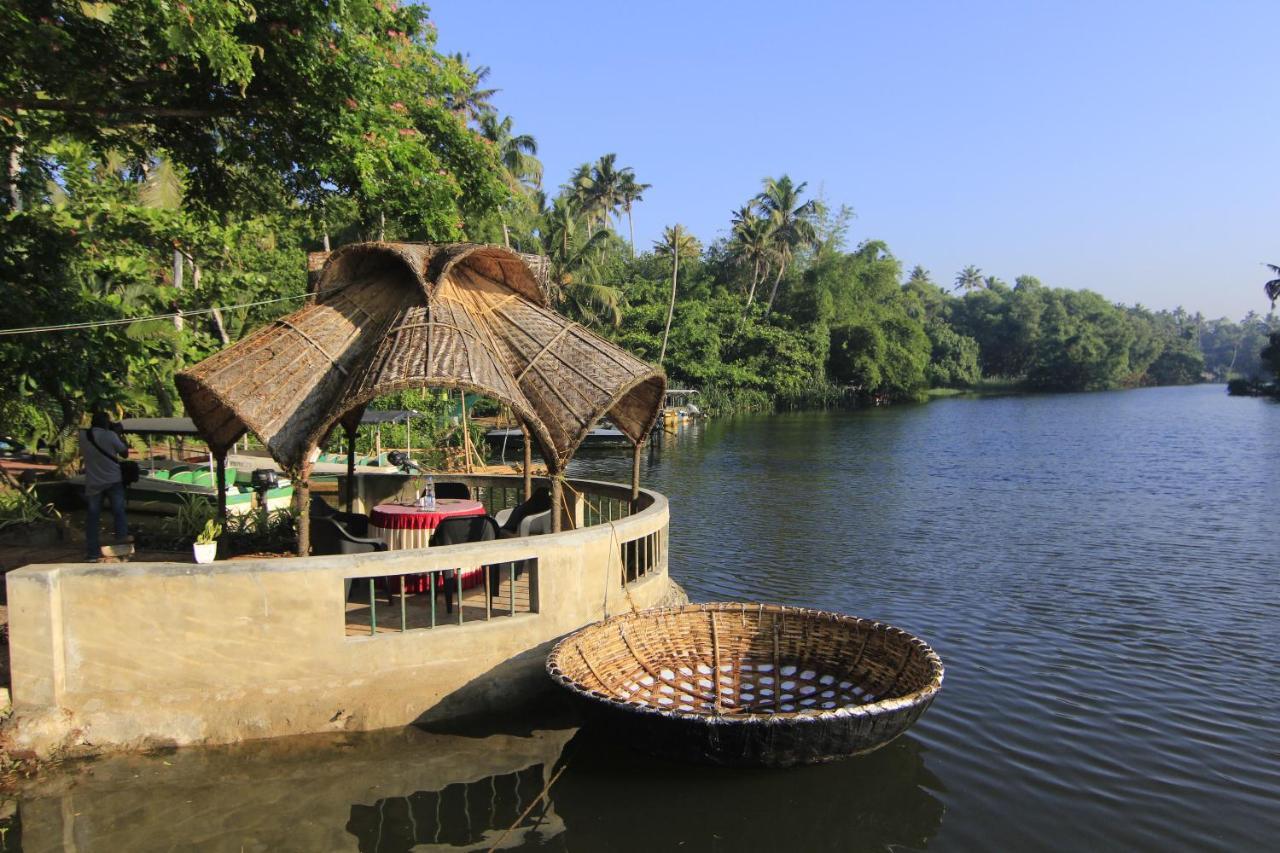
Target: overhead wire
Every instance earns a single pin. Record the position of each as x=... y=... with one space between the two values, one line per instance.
x=125 y=321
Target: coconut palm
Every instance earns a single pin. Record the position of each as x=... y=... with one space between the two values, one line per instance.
x=752 y=243
x=579 y=190
x=629 y=192
x=919 y=275
x=574 y=278
x=793 y=223
x=522 y=170
x=969 y=279
x=605 y=196
x=676 y=243
x=1272 y=287
x=517 y=153
x=473 y=101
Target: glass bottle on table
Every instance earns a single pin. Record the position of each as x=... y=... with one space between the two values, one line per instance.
x=430 y=493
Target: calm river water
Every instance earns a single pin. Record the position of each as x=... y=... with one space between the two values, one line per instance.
x=1097 y=571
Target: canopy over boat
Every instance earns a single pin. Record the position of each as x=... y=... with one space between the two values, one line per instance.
x=160 y=426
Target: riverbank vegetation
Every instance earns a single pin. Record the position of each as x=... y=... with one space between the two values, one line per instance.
x=177 y=162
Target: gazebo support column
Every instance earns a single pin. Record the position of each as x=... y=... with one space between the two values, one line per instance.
x=221 y=456
x=302 y=489
x=557 y=502
x=635 y=474
x=528 y=463
x=351 y=466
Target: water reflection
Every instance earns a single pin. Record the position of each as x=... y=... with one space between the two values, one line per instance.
x=614 y=799
x=382 y=791
x=503 y=811
x=393 y=792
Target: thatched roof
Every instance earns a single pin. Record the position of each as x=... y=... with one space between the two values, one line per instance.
x=383 y=317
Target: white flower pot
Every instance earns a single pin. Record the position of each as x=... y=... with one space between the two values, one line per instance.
x=206 y=552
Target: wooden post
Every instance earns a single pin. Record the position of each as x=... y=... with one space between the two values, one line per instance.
x=222 y=486
x=351 y=466
x=528 y=462
x=557 y=501
x=635 y=474
x=302 y=489
x=466 y=436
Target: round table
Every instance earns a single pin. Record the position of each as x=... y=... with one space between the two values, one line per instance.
x=403 y=527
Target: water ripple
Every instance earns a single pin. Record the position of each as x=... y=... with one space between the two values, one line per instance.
x=1097 y=572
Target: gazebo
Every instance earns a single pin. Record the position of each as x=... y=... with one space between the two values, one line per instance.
x=384 y=317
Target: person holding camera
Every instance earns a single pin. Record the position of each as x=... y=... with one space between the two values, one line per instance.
x=101 y=447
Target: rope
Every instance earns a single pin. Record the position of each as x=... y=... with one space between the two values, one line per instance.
x=615 y=547
x=124 y=321
x=546 y=789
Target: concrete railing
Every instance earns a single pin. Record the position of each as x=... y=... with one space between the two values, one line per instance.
x=146 y=654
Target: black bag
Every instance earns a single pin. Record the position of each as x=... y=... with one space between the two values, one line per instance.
x=130 y=471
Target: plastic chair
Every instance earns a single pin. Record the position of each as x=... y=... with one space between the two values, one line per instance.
x=456 y=531
x=518 y=520
x=354 y=522
x=329 y=536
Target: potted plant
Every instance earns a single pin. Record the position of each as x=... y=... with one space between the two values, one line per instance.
x=206 y=545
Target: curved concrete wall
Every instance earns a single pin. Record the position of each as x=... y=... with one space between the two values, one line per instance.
x=146 y=654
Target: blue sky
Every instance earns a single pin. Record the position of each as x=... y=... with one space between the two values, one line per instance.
x=1127 y=147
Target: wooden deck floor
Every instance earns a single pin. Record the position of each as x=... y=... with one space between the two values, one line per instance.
x=417 y=607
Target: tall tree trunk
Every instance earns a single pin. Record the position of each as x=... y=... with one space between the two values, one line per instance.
x=382 y=227
x=220 y=327
x=15 y=171
x=326 y=240
x=631 y=229
x=773 y=293
x=177 y=283
x=671 y=308
x=751 y=294
x=506 y=233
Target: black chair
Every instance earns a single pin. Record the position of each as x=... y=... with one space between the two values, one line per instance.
x=354 y=522
x=460 y=491
x=539 y=503
x=456 y=531
x=331 y=536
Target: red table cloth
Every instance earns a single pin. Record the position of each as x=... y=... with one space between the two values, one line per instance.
x=399 y=517
x=411 y=527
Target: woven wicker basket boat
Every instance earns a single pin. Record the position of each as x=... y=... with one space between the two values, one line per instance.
x=749 y=684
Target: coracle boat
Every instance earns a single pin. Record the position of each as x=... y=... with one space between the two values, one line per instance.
x=749 y=684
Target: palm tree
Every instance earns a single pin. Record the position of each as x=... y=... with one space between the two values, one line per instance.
x=1272 y=287
x=606 y=184
x=919 y=275
x=472 y=102
x=522 y=169
x=630 y=191
x=753 y=243
x=677 y=243
x=793 y=226
x=969 y=279
x=579 y=192
x=518 y=154
x=574 y=276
